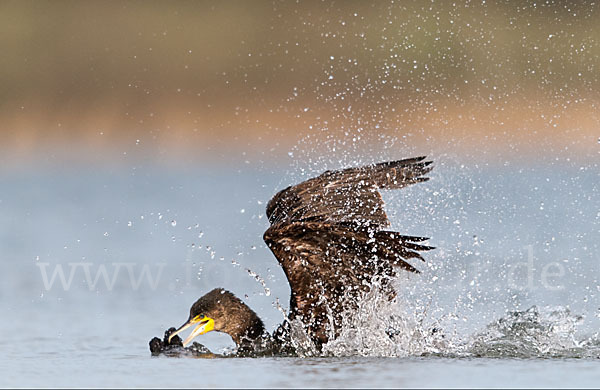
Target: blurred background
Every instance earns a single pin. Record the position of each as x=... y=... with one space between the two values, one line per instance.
x=207 y=81
x=151 y=134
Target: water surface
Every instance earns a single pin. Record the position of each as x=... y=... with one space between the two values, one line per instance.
x=506 y=243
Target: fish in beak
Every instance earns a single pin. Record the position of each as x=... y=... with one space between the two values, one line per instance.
x=205 y=325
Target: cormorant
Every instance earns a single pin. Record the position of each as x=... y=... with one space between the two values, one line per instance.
x=328 y=234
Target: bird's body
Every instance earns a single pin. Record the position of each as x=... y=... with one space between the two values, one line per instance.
x=328 y=234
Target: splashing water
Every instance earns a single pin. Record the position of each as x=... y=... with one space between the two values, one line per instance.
x=383 y=329
x=415 y=326
x=386 y=329
x=260 y=280
x=535 y=332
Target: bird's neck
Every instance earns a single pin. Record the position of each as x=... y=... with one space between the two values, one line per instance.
x=253 y=330
x=247 y=326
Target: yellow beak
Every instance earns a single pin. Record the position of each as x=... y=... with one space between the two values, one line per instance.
x=205 y=325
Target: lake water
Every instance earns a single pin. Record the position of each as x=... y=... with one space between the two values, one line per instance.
x=512 y=286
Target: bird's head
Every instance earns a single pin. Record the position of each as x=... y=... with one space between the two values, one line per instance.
x=221 y=311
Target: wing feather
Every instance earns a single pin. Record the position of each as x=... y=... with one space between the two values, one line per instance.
x=349 y=195
x=327 y=234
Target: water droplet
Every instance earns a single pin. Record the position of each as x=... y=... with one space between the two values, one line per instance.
x=173 y=223
x=130 y=224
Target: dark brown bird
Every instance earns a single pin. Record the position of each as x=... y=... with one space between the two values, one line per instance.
x=328 y=234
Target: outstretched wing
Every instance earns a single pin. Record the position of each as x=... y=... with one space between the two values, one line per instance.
x=350 y=195
x=327 y=234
